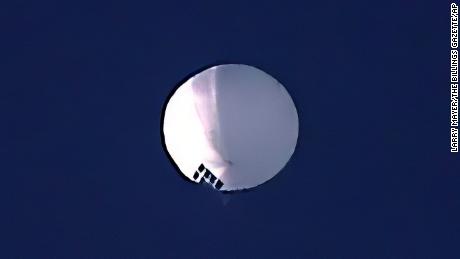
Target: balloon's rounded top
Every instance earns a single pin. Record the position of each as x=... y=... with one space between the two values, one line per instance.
x=232 y=126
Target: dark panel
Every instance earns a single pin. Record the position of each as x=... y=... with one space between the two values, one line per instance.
x=213 y=178
x=219 y=184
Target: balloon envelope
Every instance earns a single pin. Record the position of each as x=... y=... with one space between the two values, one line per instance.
x=233 y=121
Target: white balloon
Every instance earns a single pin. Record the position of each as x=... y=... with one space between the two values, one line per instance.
x=234 y=120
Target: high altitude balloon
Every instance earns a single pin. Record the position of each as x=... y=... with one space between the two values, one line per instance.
x=232 y=126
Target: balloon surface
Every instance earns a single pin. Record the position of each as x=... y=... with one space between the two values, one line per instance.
x=232 y=126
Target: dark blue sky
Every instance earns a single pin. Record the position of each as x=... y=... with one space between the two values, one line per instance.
x=84 y=174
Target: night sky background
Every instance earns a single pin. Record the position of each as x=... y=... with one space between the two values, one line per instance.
x=83 y=173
